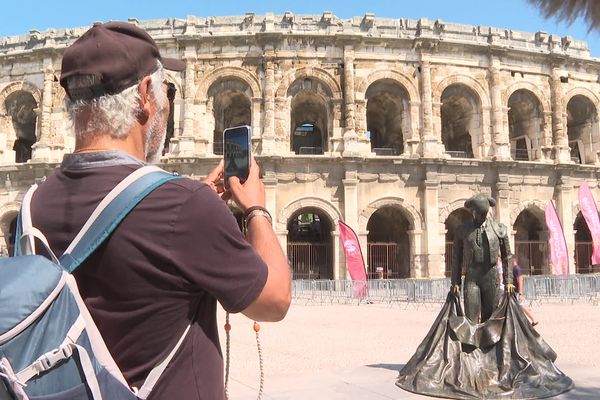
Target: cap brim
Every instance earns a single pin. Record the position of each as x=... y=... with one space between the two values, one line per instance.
x=173 y=64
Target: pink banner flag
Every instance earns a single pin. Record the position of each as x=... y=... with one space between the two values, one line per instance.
x=354 y=260
x=558 y=244
x=588 y=208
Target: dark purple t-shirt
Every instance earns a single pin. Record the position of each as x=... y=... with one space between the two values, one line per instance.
x=177 y=253
x=517 y=272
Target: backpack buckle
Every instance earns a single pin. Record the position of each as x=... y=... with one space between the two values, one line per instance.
x=53 y=357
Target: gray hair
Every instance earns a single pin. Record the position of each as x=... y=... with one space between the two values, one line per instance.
x=112 y=114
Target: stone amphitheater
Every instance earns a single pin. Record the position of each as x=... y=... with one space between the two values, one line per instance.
x=386 y=124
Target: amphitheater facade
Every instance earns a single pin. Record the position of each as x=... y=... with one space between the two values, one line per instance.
x=386 y=124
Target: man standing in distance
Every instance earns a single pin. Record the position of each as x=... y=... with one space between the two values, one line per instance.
x=180 y=250
x=518 y=280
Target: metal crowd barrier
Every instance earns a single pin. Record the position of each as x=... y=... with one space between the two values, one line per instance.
x=537 y=288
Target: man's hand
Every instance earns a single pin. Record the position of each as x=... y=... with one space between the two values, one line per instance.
x=213 y=180
x=456 y=289
x=510 y=288
x=250 y=193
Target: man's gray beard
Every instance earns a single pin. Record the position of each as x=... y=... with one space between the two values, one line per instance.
x=153 y=151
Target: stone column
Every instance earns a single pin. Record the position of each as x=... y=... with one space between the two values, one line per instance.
x=42 y=149
x=416 y=264
x=561 y=140
x=502 y=201
x=547 y=137
x=339 y=262
x=434 y=240
x=564 y=208
x=351 y=146
x=500 y=138
x=413 y=141
x=430 y=142
x=268 y=136
x=185 y=144
x=351 y=204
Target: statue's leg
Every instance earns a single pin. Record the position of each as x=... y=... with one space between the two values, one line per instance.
x=489 y=293
x=472 y=300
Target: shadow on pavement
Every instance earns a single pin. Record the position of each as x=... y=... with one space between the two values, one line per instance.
x=392 y=367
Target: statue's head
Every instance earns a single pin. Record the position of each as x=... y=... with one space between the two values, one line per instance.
x=479 y=205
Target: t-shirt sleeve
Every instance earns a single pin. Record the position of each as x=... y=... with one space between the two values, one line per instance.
x=213 y=255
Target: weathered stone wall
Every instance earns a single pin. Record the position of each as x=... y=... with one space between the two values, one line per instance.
x=455 y=123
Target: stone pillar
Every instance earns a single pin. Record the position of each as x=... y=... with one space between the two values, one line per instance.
x=268 y=136
x=413 y=141
x=255 y=110
x=416 y=261
x=502 y=201
x=429 y=139
x=351 y=146
x=184 y=146
x=564 y=208
x=561 y=140
x=351 y=205
x=42 y=149
x=434 y=239
x=500 y=138
x=546 y=147
x=339 y=262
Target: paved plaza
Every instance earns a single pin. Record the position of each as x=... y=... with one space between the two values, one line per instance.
x=354 y=352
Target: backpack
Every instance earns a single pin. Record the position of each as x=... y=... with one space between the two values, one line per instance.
x=50 y=348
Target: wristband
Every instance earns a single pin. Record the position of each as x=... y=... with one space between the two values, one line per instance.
x=250 y=209
x=255 y=212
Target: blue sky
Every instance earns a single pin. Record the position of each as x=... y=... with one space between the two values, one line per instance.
x=19 y=18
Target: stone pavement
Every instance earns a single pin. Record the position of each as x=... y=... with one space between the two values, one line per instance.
x=330 y=352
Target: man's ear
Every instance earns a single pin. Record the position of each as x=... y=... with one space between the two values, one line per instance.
x=145 y=90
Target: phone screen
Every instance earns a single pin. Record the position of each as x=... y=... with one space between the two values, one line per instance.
x=236 y=152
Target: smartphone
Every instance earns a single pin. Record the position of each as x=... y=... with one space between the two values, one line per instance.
x=236 y=153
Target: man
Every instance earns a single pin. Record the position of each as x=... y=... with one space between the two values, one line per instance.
x=518 y=280
x=478 y=244
x=180 y=250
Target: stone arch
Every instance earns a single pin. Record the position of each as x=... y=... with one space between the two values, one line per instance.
x=537 y=205
x=8 y=212
x=582 y=91
x=15 y=87
x=545 y=103
x=406 y=82
x=410 y=211
x=172 y=78
x=224 y=73
x=471 y=83
x=309 y=72
x=460 y=203
x=310 y=202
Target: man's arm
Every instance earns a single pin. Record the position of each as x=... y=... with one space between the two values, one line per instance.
x=276 y=296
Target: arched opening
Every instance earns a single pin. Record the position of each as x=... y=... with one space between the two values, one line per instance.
x=582 y=130
x=531 y=242
x=454 y=220
x=171 y=90
x=309 y=123
x=583 y=247
x=388 y=117
x=310 y=244
x=461 y=121
x=21 y=107
x=308 y=139
x=9 y=230
x=388 y=244
x=525 y=125
x=231 y=107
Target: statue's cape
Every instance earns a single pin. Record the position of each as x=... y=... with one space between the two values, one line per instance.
x=502 y=358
